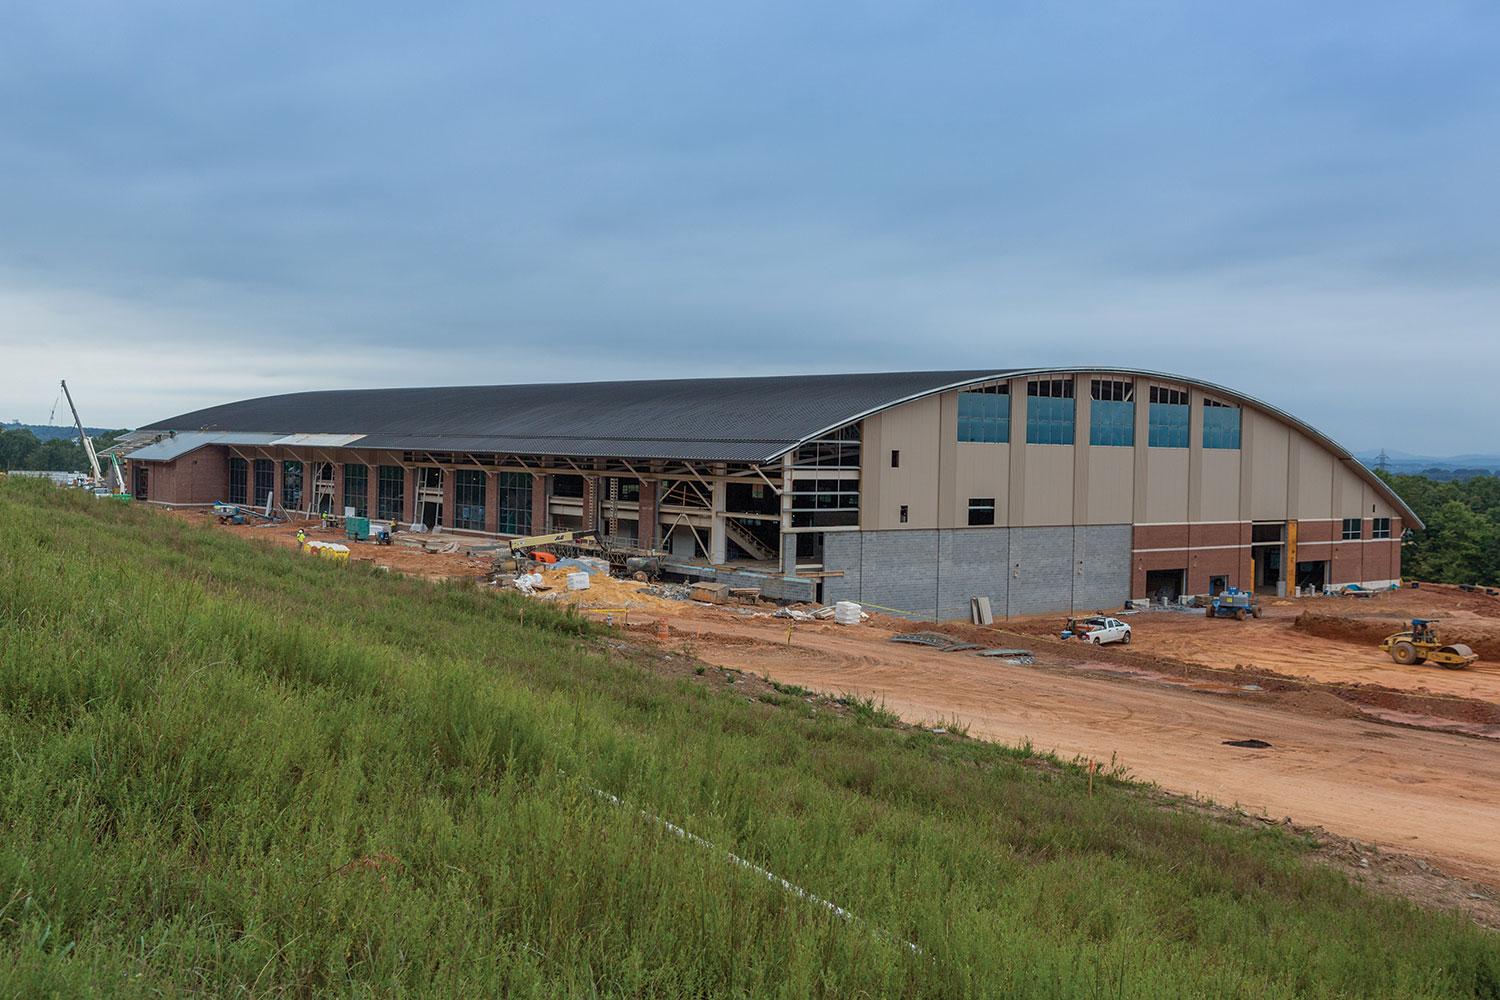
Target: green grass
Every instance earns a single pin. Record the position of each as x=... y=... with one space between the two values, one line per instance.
x=232 y=770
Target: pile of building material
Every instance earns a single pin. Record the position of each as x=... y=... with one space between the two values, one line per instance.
x=844 y=613
x=428 y=542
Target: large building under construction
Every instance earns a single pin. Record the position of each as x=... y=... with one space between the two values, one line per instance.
x=1041 y=489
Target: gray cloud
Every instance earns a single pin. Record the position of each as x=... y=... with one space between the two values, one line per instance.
x=210 y=204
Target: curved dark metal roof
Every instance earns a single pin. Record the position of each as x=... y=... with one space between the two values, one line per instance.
x=706 y=419
x=709 y=419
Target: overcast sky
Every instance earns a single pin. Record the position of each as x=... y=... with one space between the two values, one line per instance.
x=204 y=202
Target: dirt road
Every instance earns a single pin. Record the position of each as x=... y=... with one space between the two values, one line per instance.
x=1432 y=795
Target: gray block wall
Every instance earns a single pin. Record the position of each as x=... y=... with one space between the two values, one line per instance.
x=842 y=551
x=1105 y=551
x=898 y=569
x=1041 y=563
x=927 y=573
x=971 y=562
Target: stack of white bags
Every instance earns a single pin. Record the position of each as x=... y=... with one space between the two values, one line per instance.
x=846 y=613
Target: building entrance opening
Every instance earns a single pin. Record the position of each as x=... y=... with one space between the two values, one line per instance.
x=322 y=488
x=1165 y=585
x=1217 y=585
x=1266 y=547
x=1313 y=575
x=1267 y=570
x=430 y=496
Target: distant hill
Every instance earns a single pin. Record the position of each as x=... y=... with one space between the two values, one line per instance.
x=1408 y=464
x=46 y=431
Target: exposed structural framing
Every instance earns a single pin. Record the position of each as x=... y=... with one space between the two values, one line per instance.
x=720 y=512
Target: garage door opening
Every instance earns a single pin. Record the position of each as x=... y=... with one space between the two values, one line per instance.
x=1165 y=585
x=1312 y=575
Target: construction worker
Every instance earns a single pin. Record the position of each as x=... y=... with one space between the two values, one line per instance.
x=301 y=539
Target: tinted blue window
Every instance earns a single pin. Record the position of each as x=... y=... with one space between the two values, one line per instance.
x=1112 y=423
x=984 y=416
x=1169 y=425
x=1221 y=427
x=1049 y=420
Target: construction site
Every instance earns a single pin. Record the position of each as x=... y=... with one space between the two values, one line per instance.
x=1296 y=716
x=940 y=543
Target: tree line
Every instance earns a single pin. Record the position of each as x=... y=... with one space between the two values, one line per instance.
x=1461 y=543
x=21 y=449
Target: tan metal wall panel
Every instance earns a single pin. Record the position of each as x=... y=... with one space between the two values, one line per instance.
x=1049 y=484
x=1220 y=484
x=1167 y=487
x=913 y=430
x=1268 y=466
x=1110 y=492
x=1314 y=480
x=982 y=470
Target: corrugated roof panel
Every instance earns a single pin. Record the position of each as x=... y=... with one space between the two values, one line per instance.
x=317 y=440
x=183 y=442
x=718 y=451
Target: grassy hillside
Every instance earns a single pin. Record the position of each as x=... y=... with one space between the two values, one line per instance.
x=228 y=770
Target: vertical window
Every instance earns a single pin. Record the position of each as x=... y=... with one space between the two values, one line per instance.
x=903 y=513
x=1380 y=527
x=291 y=485
x=984 y=414
x=982 y=510
x=357 y=489
x=1169 y=417
x=1049 y=411
x=265 y=481
x=1221 y=424
x=239 y=480
x=391 y=493
x=1351 y=529
x=468 y=499
x=513 y=503
x=1112 y=413
x=895 y=459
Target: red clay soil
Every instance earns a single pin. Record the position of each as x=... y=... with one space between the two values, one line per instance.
x=1435 y=795
x=1480 y=636
x=1415 y=705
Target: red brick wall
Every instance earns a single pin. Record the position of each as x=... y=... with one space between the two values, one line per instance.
x=1366 y=561
x=538 y=504
x=450 y=515
x=199 y=477
x=1318 y=531
x=646 y=527
x=372 y=490
x=1203 y=550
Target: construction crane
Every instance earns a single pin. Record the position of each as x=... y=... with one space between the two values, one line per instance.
x=88 y=446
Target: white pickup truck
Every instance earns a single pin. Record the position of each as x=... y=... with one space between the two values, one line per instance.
x=1097 y=630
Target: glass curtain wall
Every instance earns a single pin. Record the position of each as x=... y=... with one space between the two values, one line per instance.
x=357 y=489
x=239 y=480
